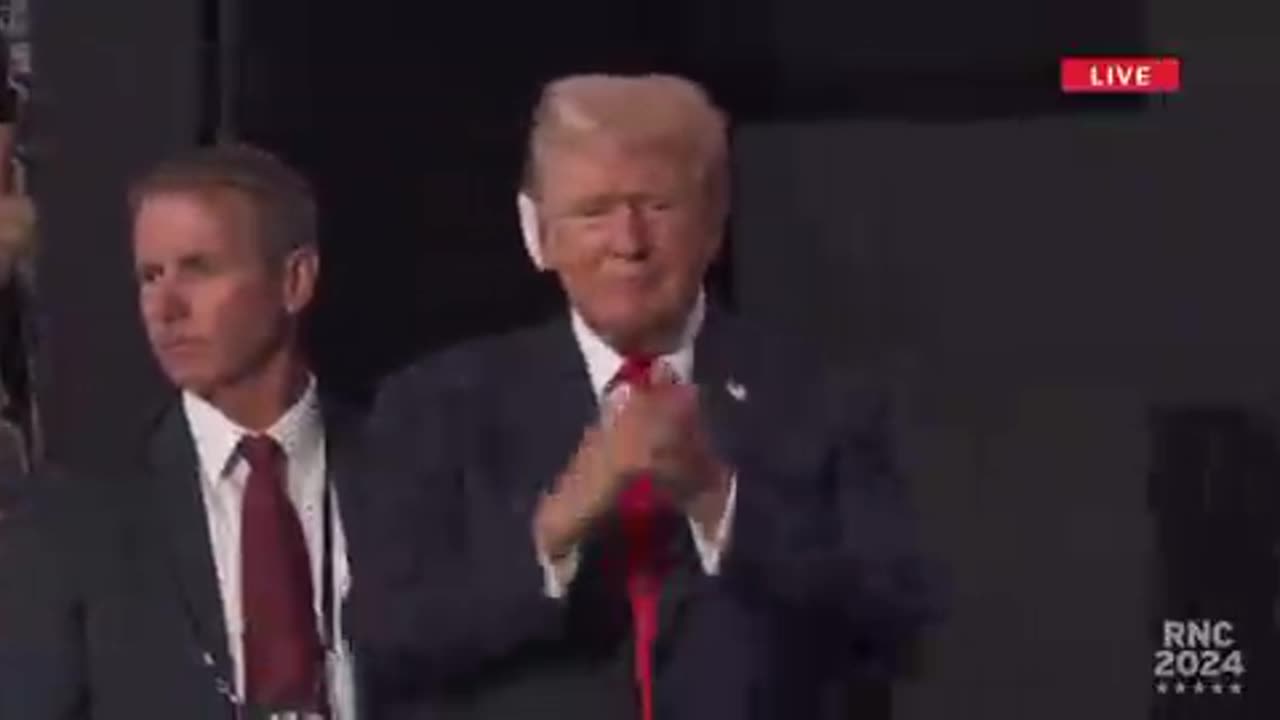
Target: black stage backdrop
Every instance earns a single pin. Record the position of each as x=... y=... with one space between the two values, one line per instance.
x=912 y=190
x=410 y=118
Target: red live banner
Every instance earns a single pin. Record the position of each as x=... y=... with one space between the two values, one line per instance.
x=1121 y=75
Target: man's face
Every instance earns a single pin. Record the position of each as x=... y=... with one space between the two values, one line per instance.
x=630 y=234
x=214 y=308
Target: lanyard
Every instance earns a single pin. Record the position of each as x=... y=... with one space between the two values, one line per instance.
x=328 y=620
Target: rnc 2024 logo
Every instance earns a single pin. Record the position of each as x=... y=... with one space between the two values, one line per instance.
x=1199 y=657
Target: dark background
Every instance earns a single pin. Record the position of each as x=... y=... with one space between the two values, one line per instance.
x=1052 y=282
x=410 y=118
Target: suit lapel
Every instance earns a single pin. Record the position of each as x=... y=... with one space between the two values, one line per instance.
x=723 y=395
x=553 y=402
x=548 y=402
x=719 y=367
x=179 y=519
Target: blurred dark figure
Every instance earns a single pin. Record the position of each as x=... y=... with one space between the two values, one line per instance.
x=19 y=428
x=18 y=424
x=8 y=121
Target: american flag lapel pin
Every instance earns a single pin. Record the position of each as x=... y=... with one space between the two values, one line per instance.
x=736 y=390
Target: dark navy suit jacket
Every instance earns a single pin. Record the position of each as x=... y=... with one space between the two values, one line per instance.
x=448 y=612
x=109 y=600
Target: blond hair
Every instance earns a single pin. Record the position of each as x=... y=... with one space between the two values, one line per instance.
x=649 y=113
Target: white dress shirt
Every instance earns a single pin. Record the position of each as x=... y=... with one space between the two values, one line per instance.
x=603 y=364
x=223 y=475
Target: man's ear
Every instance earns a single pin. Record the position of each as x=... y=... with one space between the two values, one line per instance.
x=528 y=210
x=301 y=273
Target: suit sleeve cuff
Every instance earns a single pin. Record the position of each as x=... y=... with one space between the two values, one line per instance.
x=558 y=574
x=711 y=549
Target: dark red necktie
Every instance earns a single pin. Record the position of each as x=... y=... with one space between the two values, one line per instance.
x=282 y=651
x=641 y=508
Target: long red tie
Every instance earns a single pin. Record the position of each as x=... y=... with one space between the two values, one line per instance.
x=641 y=509
x=282 y=651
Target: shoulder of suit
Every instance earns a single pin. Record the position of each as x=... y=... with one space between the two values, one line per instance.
x=76 y=504
x=471 y=363
x=164 y=422
x=774 y=351
x=793 y=370
x=340 y=415
x=435 y=395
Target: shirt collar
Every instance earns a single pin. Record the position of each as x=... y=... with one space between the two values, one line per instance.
x=217 y=436
x=603 y=362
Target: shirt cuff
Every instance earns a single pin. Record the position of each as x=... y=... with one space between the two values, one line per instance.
x=557 y=575
x=710 y=550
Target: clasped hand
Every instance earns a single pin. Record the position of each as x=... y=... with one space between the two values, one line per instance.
x=659 y=433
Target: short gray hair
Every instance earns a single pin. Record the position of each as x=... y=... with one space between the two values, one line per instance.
x=280 y=198
x=664 y=113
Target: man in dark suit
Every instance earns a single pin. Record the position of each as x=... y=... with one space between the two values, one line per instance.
x=642 y=510
x=207 y=578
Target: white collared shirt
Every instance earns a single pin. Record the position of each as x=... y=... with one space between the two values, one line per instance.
x=603 y=364
x=223 y=475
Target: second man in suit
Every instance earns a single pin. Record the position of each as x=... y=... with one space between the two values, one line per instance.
x=205 y=581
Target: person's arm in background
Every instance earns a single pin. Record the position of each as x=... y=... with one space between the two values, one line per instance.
x=7 y=141
x=18 y=446
x=17 y=413
x=15 y=213
x=41 y=648
x=8 y=119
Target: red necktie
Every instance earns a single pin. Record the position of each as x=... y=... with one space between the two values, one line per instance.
x=641 y=509
x=282 y=651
